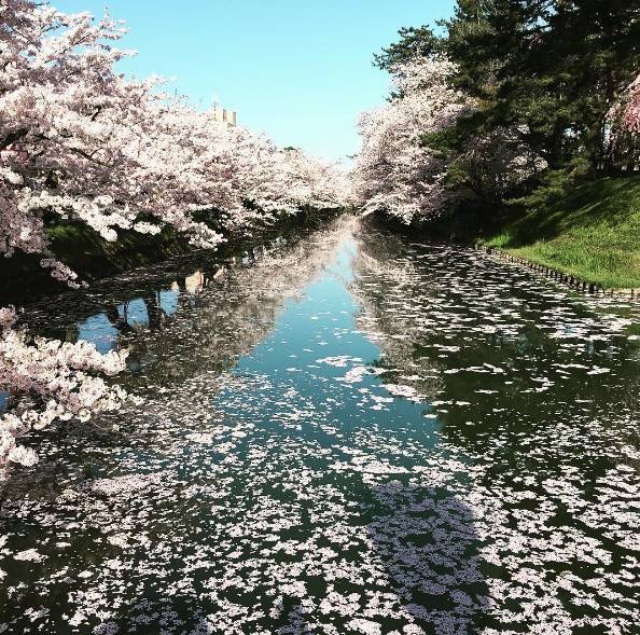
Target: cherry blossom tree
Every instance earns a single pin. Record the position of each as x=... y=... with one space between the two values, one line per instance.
x=626 y=111
x=396 y=172
x=621 y=133
x=80 y=141
x=63 y=115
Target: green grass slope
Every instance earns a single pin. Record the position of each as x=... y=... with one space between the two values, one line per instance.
x=594 y=233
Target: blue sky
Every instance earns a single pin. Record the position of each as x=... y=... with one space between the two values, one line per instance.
x=300 y=70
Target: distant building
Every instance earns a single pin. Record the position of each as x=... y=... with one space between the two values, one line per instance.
x=225 y=116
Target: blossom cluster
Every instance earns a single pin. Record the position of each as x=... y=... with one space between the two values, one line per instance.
x=58 y=379
x=396 y=171
x=80 y=141
x=628 y=110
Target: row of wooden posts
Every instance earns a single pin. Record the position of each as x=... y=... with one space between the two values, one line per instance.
x=575 y=283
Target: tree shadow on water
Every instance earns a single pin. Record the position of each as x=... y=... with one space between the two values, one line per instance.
x=297 y=623
x=426 y=540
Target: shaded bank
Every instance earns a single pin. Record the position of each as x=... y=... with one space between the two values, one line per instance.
x=589 y=233
x=87 y=253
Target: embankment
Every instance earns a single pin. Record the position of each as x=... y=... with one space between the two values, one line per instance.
x=593 y=234
x=86 y=252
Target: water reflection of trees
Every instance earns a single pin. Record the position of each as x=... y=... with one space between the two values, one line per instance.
x=210 y=325
x=384 y=279
x=497 y=346
x=194 y=317
x=201 y=486
x=231 y=314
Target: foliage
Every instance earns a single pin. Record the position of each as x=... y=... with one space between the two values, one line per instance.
x=414 y=42
x=548 y=69
x=552 y=82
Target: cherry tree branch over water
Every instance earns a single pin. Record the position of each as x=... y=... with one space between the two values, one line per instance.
x=396 y=172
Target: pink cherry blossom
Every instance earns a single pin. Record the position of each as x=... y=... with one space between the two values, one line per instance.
x=628 y=110
x=396 y=172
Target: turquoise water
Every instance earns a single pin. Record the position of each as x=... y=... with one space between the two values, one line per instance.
x=351 y=434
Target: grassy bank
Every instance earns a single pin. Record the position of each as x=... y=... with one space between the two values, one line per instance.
x=594 y=233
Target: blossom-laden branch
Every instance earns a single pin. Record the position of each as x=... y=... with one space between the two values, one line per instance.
x=59 y=379
x=626 y=112
x=396 y=172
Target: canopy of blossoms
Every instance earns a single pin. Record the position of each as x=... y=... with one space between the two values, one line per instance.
x=79 y=140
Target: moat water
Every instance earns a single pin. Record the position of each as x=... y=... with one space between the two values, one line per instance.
x=351 y=433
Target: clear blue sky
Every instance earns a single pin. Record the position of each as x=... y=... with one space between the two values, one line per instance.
x=300 y=70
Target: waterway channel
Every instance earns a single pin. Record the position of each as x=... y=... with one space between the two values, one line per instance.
x=349 y=433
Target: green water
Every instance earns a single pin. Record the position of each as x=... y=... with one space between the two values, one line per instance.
x=350 y=434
